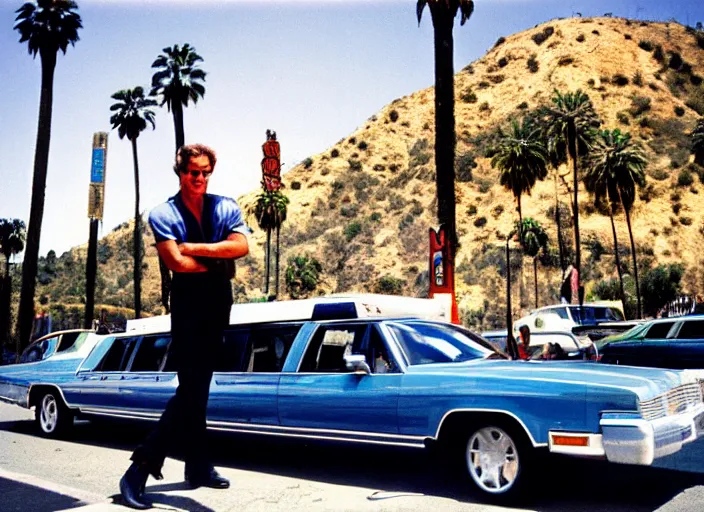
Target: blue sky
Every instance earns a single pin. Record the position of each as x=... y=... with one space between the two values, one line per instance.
x=311 y=70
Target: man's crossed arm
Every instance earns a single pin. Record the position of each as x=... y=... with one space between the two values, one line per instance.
x=182 y=257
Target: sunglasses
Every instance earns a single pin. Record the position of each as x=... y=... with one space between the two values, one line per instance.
x=195 y=174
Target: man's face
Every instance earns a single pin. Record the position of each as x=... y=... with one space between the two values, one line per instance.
x=195 y=180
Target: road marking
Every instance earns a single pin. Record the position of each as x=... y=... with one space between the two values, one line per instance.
x=78 y=494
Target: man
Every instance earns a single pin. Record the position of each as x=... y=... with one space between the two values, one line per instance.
x=198 y=235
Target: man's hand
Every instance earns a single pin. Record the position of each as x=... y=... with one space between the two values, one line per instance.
x=234 y=246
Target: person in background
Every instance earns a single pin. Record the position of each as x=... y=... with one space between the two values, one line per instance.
x=523 y=342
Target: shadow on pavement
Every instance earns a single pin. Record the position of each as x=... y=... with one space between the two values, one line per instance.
x=21 y=497
x=170 y=502
x=561 y=483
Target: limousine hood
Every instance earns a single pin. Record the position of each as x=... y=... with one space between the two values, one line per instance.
x=646 y=383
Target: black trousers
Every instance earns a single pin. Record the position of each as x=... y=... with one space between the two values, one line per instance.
x=200 y=311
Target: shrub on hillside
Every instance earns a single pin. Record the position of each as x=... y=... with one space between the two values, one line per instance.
x=295 y=185
x=679 y=111
x=393 y=116
x=659 y=53
x=464 y=166
x=637 y=79
x=302 y=274
x=389 y=285
x=543 y=36
x=472 y=210
x=580 y=38
x=468 y=96
x=502 y=62
x=355 y=165
x=532 y=64
x=685 y=178
x=620 y=80
x=645 y=45
x=362 y=145
x=352 y=230
x=480 y=222
x=565 y=60
x=307 y=162
x=334 y=153
x=639 y=105
x=501 y=40
x=622 y=118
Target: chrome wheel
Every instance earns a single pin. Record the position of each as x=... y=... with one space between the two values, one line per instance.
x=49 y=414
x=492 y=460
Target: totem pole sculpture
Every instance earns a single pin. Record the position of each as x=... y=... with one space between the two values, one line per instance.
x=441 y=269
x=271 y=206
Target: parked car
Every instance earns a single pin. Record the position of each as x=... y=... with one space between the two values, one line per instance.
x=600 y=331
x=663 y=343
x=563 y=317
x=404 y=382
x=574 y=348
x=55 y=343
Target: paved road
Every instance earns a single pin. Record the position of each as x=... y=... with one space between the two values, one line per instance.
x=268 y=474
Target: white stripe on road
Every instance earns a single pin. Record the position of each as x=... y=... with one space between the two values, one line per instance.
x=78 y=494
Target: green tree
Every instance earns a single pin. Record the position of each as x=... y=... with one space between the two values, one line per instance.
x=12 y=238
x=302 y=275
x=601 y=181
x=533 y=240
x=178 y=81
x=47 y=26
x=271 y=210
x=660 y=286
x=698 y=142
x=132 y=113
x=443 y=13
x=571 y=120
x=521 y=158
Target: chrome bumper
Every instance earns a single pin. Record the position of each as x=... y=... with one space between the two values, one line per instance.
x=632 y=440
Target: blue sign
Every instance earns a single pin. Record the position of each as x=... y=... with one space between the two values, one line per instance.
x=97 y=168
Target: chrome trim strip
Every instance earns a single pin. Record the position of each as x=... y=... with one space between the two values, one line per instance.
x=277 y=430
x=595 y=448
x=328 y=438
x=498 y=411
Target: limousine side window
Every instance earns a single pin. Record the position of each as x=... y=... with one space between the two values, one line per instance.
x=691 y=330
x=118 y=356
x=270 y=346
x=658 y=331
x=326 y=351
x=151 y=354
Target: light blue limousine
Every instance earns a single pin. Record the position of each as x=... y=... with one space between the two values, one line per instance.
x=396 y=381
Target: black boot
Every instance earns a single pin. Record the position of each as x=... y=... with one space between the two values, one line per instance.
x=206 y=478
x=132 y=486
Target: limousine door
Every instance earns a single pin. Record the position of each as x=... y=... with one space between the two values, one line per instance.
x=324 y=395
x=243 y=392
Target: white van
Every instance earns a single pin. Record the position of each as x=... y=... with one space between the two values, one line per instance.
x=562 y=317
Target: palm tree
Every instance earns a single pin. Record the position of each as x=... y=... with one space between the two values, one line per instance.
x=511 y=346
x=628 y=163
x=47 y=26
x=698 y=142
x=178 y=81
x=271 y=209
x=522 y=159
x=533 y=240
x=571 y=120
x=12 y=237
x=601 y=181
x=132 y=113
x=443 y=13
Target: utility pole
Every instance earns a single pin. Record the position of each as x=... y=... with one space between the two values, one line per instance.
x=96 y=200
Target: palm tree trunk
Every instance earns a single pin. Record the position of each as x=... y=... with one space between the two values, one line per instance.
x=635 y=264
x=178 y=124
x=445 y=123
x=41 y=163
x=276 y=281
x=511 y=347
x=137 y=237
x=558 y=221
x=535 y=278
x=267 y=261
x=91 y=271
x=618 y=260
x=520 y=219
x=572 y=136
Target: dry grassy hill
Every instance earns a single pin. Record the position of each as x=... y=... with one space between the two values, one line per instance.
x=363 y=206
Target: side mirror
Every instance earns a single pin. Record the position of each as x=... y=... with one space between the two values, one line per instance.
x=357 y=364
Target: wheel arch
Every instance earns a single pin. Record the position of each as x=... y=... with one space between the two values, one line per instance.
x=36 y=391
x=457 y=419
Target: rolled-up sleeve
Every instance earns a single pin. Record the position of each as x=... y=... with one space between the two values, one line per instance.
x=234 y=223
x=162 y=224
